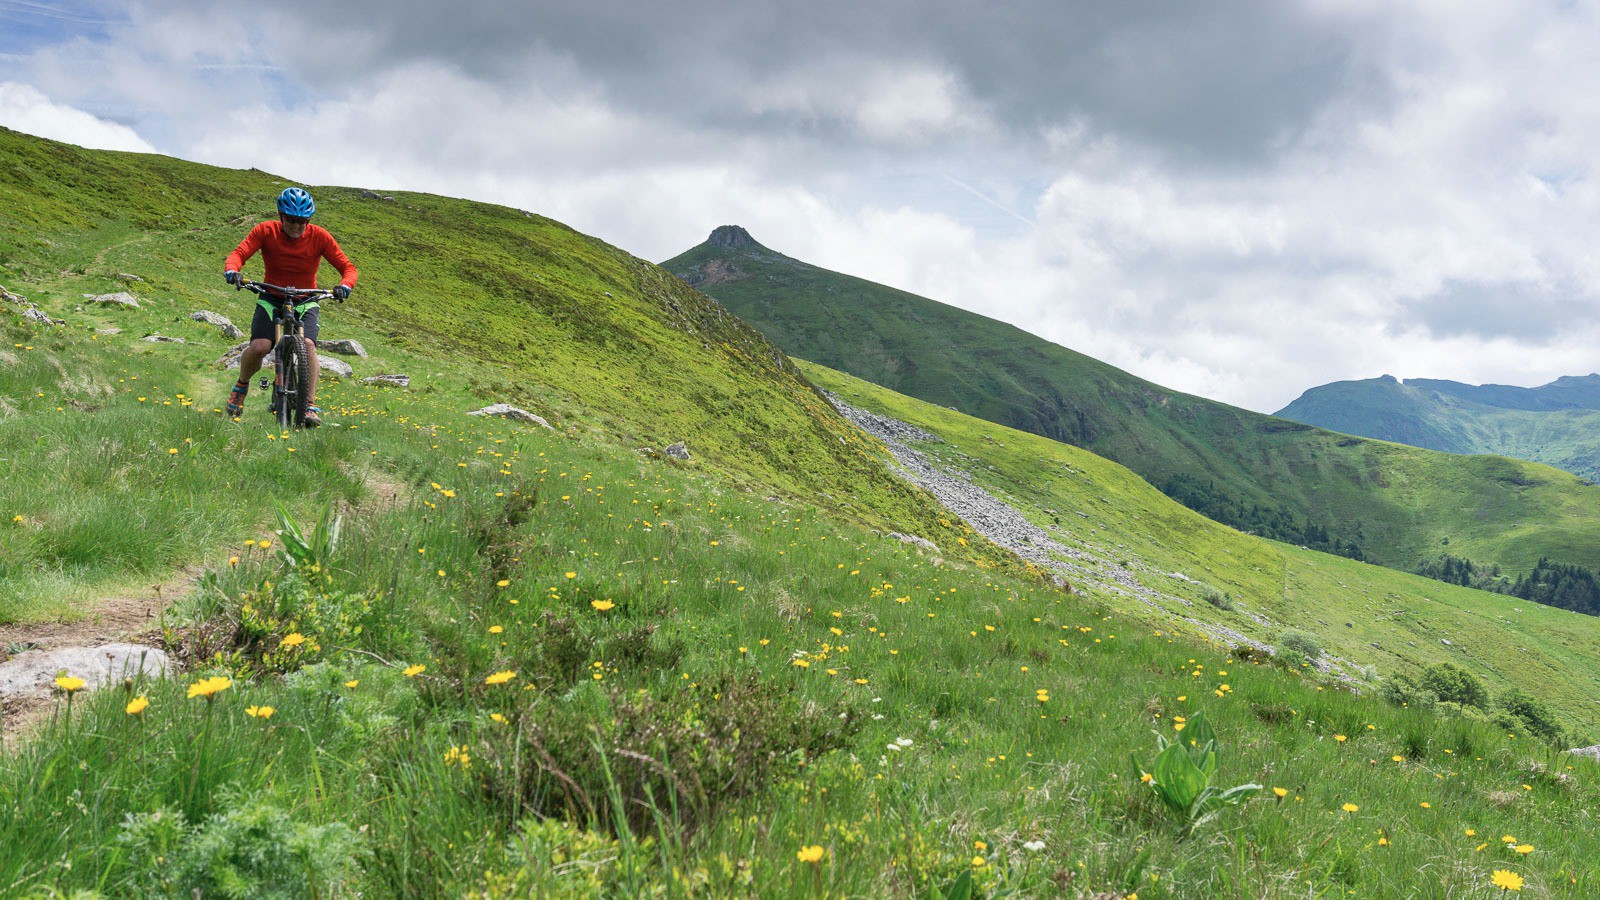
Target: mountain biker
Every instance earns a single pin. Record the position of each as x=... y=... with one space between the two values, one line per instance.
x=292 y=249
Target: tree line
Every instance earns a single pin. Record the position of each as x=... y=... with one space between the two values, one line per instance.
x=1555 y=584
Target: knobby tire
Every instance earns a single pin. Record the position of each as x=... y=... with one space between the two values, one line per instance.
x=295 y=365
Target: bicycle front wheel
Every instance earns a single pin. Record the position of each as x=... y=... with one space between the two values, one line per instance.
x=294 y=374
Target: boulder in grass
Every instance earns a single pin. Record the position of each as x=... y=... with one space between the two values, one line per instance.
x=345 y=347
x=912 y=539
x=120 y=298
x=389 y=380
x=507 y=411
x=162 y=339
x=333 y=366
x=680 y=450
x=13 y=298
x=33 y=674
x=39 y=315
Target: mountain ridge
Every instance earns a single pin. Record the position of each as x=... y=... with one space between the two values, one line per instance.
x=1557 y=424
x=1271 y=475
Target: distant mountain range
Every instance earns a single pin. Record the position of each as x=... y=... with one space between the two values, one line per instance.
x=1282 y=479
x=1557 y=423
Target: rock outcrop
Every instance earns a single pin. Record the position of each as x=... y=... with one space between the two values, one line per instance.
x=120 y=298
x=507 y=411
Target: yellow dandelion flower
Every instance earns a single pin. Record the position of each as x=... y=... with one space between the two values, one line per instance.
x=1524 y=849
x=802 y=663
x=811 y=854
x=69 y=684
x=354 y=682
x=259 y=712
x=293 y=639
x=504 y=582
x=500 y=677
x=978 y=862
x=137 y=705
x=1349 y=807
x=1280 y=793
x=1340 y=738
x=209 y=687
x=1506 y=881
x=413 y=671
x=602 y=605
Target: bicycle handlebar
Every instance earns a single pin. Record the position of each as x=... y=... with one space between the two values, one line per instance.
x=261 y=288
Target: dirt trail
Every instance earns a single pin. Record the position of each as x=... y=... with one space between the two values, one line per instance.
x=133 y=617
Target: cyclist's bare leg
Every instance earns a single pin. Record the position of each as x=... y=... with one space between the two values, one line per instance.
x=316 y=369
x=250 y=361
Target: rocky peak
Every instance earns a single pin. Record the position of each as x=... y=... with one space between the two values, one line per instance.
x=731 y=237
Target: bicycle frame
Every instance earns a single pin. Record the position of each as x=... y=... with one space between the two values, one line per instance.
x=288 y=405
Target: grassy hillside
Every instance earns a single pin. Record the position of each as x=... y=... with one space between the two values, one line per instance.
x=1557 y=424
x=1399 y=504
x=1377 y=622
x=539 y=663
x=540 y=315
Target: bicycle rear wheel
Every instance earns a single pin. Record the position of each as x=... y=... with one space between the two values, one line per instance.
x=294 y=367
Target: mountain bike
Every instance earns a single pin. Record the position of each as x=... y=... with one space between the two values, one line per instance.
x=291 y=378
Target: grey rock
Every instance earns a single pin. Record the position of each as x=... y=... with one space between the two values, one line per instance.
x=124 y=276
x=12 y=298
x=33 y=674
x=391 y=380
x=232 y=332
x=346 y=347
x=162 y=339
x=334 y=366
x=680 y=450
x=120 y=298
x=922 y=542
x=374 y=195
x=210 y=318
x=107 y=332
x=1591 y=752
x=38 y=315
x=506 y=410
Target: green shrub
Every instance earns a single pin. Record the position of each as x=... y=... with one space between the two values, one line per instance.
x=1530 y=714
x=1402 y=690
x=1455 y=685
x=1302 y=642
x=601 y=754
x=1220 y=599
x=253 y=850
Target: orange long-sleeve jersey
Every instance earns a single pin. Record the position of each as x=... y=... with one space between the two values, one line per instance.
x=292 y=263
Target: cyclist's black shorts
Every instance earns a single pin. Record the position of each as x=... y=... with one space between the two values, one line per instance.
x=261 y=326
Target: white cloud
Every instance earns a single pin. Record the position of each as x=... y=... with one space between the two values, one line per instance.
x=1417 y=201
x=24 y=108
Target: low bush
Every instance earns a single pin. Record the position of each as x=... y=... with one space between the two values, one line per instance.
x=1302 y=642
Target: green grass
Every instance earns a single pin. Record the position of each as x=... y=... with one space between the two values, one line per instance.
x=1380 y=621
x=366 y=775
x=656 y=736
x=1400 y=504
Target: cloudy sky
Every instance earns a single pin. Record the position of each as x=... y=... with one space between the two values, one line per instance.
x=1240 y=199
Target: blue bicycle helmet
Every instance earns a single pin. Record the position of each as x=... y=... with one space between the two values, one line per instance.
x=296 y=202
